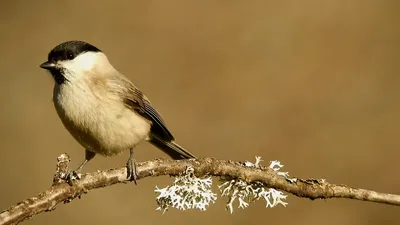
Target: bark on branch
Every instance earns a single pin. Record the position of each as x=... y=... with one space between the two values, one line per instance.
x=61 y=191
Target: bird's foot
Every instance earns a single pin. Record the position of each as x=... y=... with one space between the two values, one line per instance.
x=73 y=175
x=132 y=174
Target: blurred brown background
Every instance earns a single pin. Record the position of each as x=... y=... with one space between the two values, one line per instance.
x=312 y=84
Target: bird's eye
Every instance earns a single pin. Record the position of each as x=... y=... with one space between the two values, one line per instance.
x=70 y=55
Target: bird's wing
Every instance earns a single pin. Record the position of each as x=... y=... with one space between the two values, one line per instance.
x=137 y=101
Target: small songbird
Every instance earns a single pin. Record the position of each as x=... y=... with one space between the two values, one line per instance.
x=104 y=111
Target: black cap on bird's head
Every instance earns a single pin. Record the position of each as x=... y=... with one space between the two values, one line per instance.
x=67 y=51
x=63 y=53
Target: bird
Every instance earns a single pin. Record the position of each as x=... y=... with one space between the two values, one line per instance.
x=102 y=109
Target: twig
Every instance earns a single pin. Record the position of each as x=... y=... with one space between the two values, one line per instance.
x=60 y=191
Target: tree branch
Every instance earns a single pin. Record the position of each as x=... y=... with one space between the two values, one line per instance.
x=61 y=191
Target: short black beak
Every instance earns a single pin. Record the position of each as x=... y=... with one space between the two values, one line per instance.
x=48 y=65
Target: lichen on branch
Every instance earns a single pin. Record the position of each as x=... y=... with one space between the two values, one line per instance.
x=61 y=191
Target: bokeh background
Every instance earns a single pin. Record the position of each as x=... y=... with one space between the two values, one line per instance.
x=314 y=84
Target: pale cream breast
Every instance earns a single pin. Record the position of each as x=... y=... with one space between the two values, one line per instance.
x=99 y=121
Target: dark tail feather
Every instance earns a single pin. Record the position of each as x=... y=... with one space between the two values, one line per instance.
x=171 y=148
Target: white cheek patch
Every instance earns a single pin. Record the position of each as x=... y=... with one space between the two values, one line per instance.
x=82 y=63
x=85 y=61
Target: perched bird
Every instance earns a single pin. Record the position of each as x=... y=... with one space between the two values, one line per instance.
x=102 y=109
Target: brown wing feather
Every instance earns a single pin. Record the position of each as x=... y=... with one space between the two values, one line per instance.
x=137 y=101
x=160 y=136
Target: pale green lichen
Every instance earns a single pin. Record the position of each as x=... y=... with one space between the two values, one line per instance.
x=186 y=192
x=248 y=192
x=191 y=192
